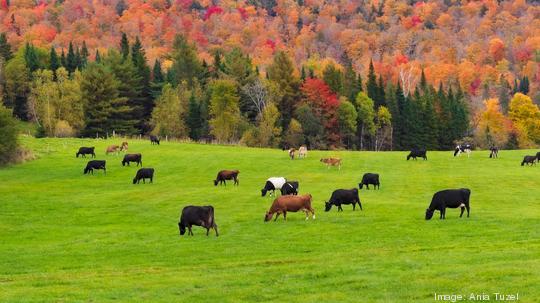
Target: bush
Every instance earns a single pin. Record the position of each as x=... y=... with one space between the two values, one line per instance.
x=8 y=133
x=63 y=129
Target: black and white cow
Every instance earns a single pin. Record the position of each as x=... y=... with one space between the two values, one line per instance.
x=463 y=148
x=449 y=198
x=290 y=188
x=370 y=178
x=272 y=184
x=197 y=215
x=417 y=153
x=493 y=152
x=343 y=196
x=95 y=164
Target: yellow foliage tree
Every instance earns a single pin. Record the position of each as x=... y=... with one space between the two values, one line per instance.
x=493 y=127
x=526 y=117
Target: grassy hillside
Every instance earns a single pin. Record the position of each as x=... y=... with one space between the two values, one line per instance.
x=67 y=237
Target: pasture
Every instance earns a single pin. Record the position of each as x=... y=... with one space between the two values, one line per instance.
x=69 y=237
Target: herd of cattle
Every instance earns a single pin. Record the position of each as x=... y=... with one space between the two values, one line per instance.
x=290 y=201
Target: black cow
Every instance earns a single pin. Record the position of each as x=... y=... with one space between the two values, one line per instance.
x=538 y=156
x=197 y=215
x=368 y=179
x=143 y=174
x=132 y=158
x=421 y=153
x=83 y=151
x=227 y=175
x=449 y=198
x=290 y=188
x=94 y=164
x=154 y=140
x=529 y=160
x=343 y=196
x=493 y=152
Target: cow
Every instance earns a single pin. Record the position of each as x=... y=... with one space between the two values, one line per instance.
x=283 y=204
x=332 y=162
x=154 y=140
x=370 y=178
x=95 y=164
x=132 y=158
x=302 y=152
x=417 y=153
x=290 y=188
x=529 y=160
x=538 y=156
x=83 y=151
x=124 y=146
x=493 y=152
x=112 y=149
x=449 y=198
x=143 y=174
x=197 y=215
x=463 y=148
x=343 y=196
x=272 y=184
x=227 y=175
x=291 y=153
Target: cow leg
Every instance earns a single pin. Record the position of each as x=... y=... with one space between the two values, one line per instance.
x=215 y=229
x=367 y=186
x=207 y=231
x=105 y=170
x=312 y=212
x=277 y=215
x=340 y=208
x=144 y=180
x=468 y=209
x=190 y=231
x=152 y=180
x=462 y=210
x=354 y=206
x=307 y=213
x=284 y=215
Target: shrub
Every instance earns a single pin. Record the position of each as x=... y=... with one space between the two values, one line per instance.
x=8 y=133
x=63 y=129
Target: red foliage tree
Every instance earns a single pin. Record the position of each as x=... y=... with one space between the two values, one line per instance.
x=211 y=11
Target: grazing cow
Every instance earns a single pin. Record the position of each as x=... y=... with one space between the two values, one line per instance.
x=291 y=153
x=343 y=196
x=197 y=215
x=290 y=188
x=95 y=164
x=124 y=146
x=449 y=198
x=529 y=160
x=332 y=162
x=132 y=158
x=302 y=151
x=154 y=140
x=463 y=148
x=227 y=175
x=272 y=184
x=368 y=179
x=143 y=174
x=112 y=149
x=538 y=156
x=83 y=151
x=493 y=152
x=283 y=204
x=417 y=153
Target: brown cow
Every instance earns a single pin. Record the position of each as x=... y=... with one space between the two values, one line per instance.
x=291 y=153
x=332 y=162
x=227 y=175
x=283 y=204
x=124 y=146
x=112 y=149
x=302 y=151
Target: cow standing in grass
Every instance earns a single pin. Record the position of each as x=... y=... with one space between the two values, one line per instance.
x=143 y=174
x=302 y=151
x=199 y=216
x=370 y=178
x=529 y=160
x=449 y=198
x=95 y=164
x=154 y=140
x=272 y=184
x=417 y=153
x=283 y=204
x=332 y=162
x=137 y=158
x=493 y=152
x=124 y=146
x=463 y=148
x=112 y=149
x=227 y=175
x=343 y=196
x=290 y=188
x=291 y=153
x=83 y=151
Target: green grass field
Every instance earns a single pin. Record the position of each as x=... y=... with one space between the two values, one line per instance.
x=68 y=237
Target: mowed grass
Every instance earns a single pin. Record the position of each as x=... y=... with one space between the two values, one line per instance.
x=69 y=237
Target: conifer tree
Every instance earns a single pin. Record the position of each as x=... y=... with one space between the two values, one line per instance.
x=5 y=48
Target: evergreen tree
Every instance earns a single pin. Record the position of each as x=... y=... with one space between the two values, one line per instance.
x=63 y=60
x=103 y=106
x=371 y=87
x=303 y=74
x=333 y=78
x=9 y=143
x=71 y=60
x=194 y=122
x=360 y=84
x=311 y=73
x=351 y=85
x=186 y=65
x=16 y=87
x=524 y=85
x=84 y=55
x=78 y=59
x=5 y=48
x=124 y=46
x=138 y=58
x=430 y=123
x=54 y=63
x=238 y=67
x=504 y=94
x=281 y=72
x=380 y=95
x=30 y=56
x=398 y=117
x=98 y=57
x=217 y=68
x=158 y=79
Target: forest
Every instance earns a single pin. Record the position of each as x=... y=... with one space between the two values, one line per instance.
x=364 y=75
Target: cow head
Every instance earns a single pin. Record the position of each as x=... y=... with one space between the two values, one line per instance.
x=263 y=192
x=182 y=229
x=215 y=182
x=327 y=206
x=429 y=214
x=360 y=185
x=134 y=180
x=87 y=170
x=268 y=216
x=408 y=157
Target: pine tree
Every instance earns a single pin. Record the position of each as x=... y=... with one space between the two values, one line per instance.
x=138 y=57
x=78 y=59
x=63 y=60
x=5 y=48
x=371 y=86
x=54 y=61
x=400 y=132
x=303 y=74
x=194 y=122
x=97 y=57
x=31 y=58
x=217 y=68
x=186 y=65
x=380 y=95
x=504 y=94
x=524 y=85
x=281 y=72
x=124 y=46
x=333 y=78
x=351 y=85
x=71 y=60
x=84 y=55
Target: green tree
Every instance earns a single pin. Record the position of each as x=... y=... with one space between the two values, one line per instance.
x=333 y=77
x=158 y=79
x=5 y=48
x=71 y=59
x=224 y=110
x=239 y=68
x=31 y=57
x=8 y=130
x=168 y=115
x=84 y=55
x=186 y=65
x=312 y=126
x=138 y=58
x=194 y=121
x=281 y=72
x=17 y=79
x=124 y=46
x=269 y=129
x=294 y=136
x=365 y=115
x=504 y=94
x=383 y=124
x=372 y=88
x=347 y=122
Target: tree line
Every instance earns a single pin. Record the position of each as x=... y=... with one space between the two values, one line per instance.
x=230 y=100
